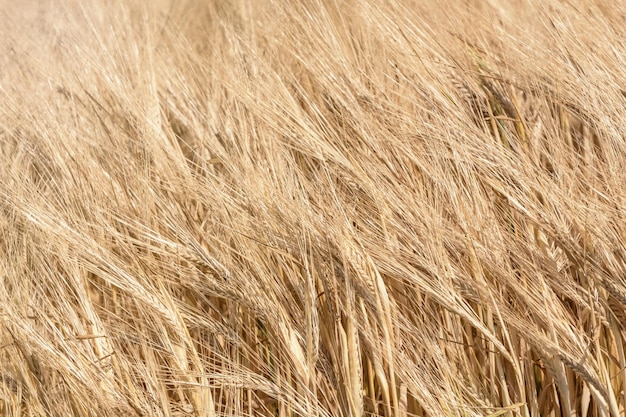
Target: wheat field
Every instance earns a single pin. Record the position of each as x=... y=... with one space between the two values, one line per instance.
x=313 y=208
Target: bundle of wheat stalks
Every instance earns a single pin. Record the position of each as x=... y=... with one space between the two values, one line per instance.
x=313 y=208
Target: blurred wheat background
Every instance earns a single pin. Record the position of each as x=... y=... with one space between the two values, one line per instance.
x=313 y=208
